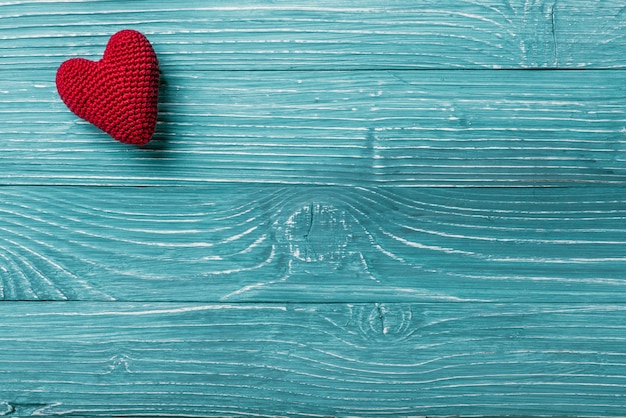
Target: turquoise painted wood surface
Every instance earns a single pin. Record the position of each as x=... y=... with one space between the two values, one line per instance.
x=350 y=208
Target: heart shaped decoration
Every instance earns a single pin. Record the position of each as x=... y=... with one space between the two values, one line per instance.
x=119 y=93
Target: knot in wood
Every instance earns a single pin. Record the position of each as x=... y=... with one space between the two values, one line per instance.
x=319 y=232
x=6 y=408
x=388 y=322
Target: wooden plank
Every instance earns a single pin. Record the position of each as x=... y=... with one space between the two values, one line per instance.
x=330 y=34
x=461 y=359
x=274 y=243
x=403 y=128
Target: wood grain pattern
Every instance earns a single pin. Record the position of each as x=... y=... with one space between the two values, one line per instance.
x=438 y=359
x=350 y=208
x=416 y=128
x=258 y=244
x=346 y=34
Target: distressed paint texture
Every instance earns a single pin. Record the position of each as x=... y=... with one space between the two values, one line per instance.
x=292 y=359
x=350 y=208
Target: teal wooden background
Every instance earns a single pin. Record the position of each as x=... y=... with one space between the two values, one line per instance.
x=350 y=208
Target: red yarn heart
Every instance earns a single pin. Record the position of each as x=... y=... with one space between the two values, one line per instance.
x=119 y=93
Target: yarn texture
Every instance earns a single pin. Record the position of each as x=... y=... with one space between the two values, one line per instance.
x=118 y=93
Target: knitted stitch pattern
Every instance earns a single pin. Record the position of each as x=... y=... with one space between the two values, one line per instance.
x=119 y=93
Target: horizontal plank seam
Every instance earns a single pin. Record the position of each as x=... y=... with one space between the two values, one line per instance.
x=307 y=302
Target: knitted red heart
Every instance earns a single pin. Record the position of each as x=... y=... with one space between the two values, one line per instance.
x=119 y=93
